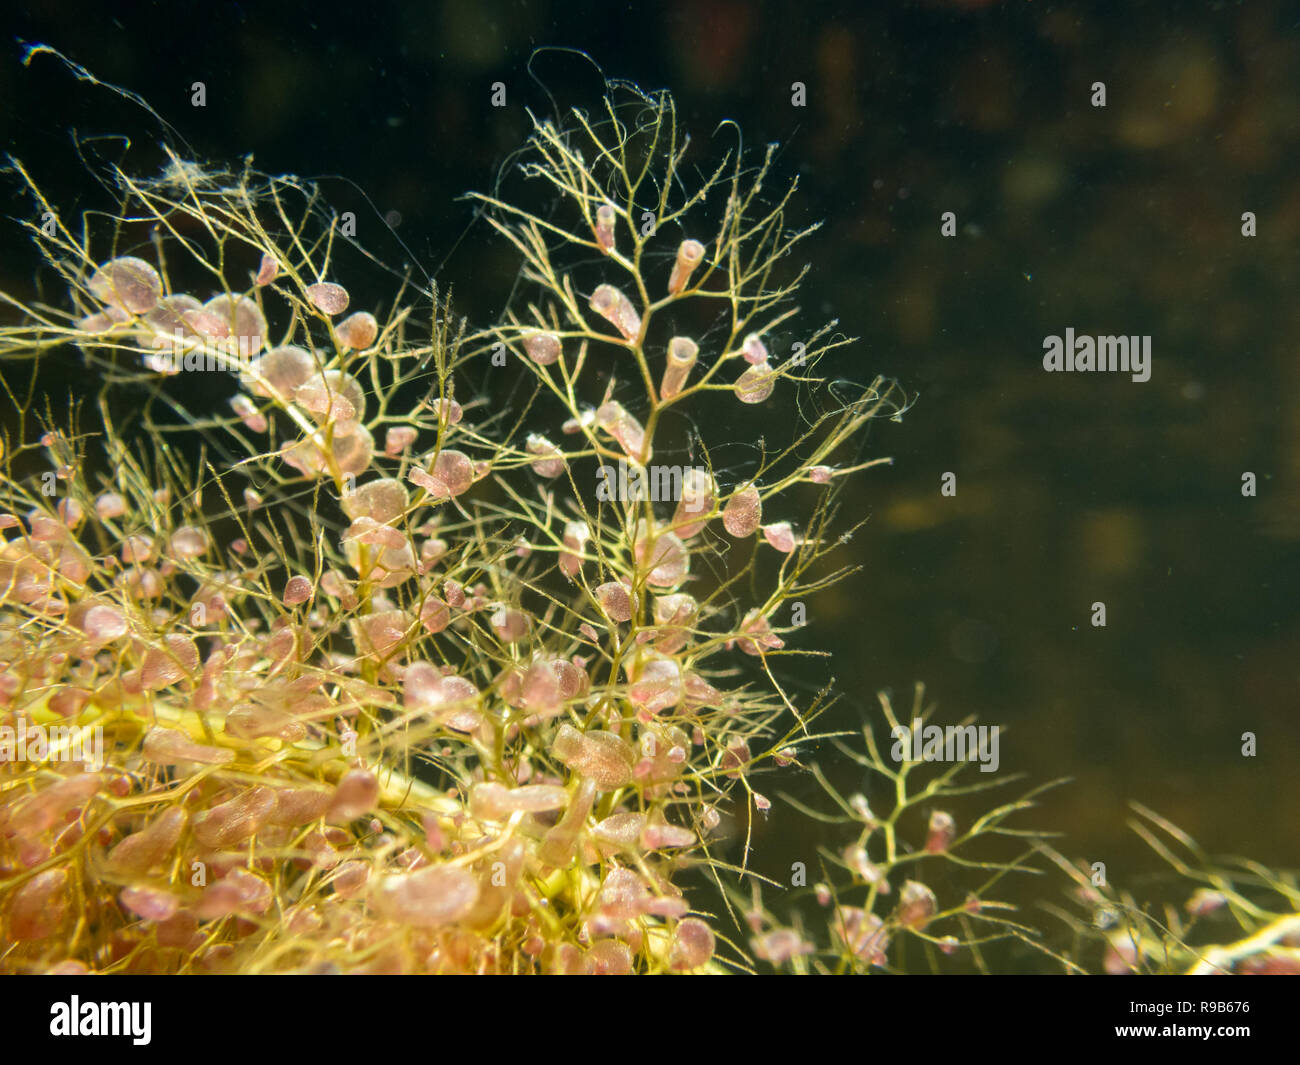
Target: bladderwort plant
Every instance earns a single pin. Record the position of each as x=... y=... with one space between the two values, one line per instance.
x=1216 y=916
x=907 y=886
x=383 y=676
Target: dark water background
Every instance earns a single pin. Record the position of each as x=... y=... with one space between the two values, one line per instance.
x=1071 y=488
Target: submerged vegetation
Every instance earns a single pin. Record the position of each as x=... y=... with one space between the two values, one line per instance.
x=372 y=666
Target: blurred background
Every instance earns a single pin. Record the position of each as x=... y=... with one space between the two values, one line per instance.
x=1072 y=488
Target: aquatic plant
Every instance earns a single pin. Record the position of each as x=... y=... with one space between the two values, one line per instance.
x=907 y=887
x=408 y=647
x=379 y=671
x=1218 y=916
